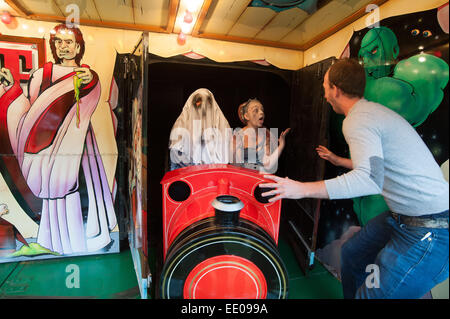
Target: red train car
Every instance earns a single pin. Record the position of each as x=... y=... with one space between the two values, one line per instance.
x=220 y=235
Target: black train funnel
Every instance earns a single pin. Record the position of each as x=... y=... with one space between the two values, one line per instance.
x=227 y=209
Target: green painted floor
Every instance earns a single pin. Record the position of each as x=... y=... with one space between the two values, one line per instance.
x=112 y=276
x=319 y=283
x=100 y=277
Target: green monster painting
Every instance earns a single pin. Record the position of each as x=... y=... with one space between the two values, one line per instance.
x=412 y=87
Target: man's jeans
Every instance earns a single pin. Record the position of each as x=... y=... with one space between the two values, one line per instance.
x=409 y=260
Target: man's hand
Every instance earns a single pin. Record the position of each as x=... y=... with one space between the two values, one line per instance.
x=284 y=188
x=6 y=77
x=84 y=74
x=288 y=188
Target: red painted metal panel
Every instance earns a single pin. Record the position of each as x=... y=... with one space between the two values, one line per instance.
x=205 y=183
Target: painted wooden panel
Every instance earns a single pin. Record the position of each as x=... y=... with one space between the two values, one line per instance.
x=155 y=12
x=323 y=19
x=90 y=11
x=86 y=8
x=282 y=24
x=115 y=10
x=47 y=7
x=251 y=22
x=224 y=15
x=63 y=205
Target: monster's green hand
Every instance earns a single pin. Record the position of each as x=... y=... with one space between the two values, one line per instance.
x=415 y=90
x=428 y=75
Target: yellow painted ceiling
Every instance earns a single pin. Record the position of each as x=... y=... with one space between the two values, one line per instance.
x=229 y=20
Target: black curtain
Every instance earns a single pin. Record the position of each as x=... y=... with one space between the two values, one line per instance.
x=309 y=121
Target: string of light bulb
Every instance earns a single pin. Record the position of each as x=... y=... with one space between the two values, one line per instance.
x=189 y=10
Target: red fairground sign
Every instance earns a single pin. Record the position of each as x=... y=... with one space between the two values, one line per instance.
x=21 y=56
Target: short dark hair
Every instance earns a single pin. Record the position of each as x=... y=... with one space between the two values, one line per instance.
x=349 y=76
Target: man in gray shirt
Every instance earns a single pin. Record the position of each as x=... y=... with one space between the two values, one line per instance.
x=404 y=251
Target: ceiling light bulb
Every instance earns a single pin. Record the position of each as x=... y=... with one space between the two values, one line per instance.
x=6 y=17
x=188 y=17
x=181 y=39
x=185 y=28
x=193 y=5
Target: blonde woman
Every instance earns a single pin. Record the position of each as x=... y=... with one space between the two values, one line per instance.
x=254 y=146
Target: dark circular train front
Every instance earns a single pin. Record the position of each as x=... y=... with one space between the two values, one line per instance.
x=220 y=236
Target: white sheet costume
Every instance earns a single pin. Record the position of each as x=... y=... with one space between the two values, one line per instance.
x=201 y=134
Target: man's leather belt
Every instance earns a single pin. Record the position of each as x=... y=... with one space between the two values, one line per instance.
x=419 y=221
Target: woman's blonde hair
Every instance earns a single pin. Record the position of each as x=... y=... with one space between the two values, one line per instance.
x=243 y=108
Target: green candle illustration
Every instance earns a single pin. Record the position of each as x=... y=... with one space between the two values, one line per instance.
x=77 y=84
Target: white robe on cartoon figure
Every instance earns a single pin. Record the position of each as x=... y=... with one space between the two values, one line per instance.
x=51 y=148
